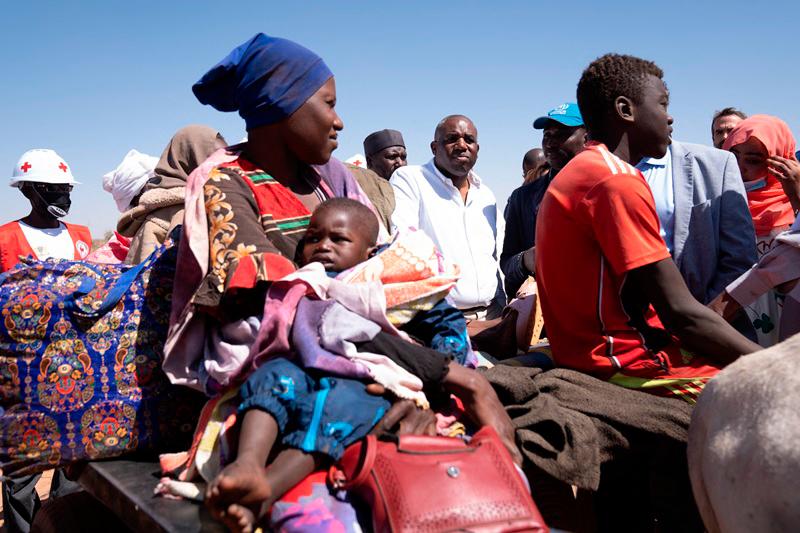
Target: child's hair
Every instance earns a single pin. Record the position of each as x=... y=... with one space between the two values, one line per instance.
x=605 y=79
x=366 y=221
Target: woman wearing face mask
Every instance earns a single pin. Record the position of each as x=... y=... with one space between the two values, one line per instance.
x=764 y=148
x=46 y=181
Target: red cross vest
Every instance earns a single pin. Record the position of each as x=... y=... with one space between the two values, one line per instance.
x=14 y=245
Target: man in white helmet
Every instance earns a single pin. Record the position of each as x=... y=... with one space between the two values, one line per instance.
x=46 y=181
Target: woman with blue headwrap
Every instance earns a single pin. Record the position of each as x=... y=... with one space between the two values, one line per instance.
x=287 y=96
x=247 y=208
x=252 y=203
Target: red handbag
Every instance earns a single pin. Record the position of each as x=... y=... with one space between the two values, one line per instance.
x=437 y=484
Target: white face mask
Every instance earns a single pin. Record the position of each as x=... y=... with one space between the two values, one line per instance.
x=755 y=184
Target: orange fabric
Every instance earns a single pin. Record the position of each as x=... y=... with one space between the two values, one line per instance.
x=81 y=238
x=412 y=271
x=14 y=245
x=597 y=222
x=769 y=206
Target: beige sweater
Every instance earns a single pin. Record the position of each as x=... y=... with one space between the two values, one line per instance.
x=149 y=223
x=379 y=191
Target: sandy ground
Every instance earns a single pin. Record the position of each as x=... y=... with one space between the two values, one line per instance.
x=43 y=488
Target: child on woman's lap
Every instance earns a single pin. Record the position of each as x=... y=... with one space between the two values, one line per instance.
x=315 y=415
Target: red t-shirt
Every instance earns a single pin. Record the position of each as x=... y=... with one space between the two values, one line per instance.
x=597 y=222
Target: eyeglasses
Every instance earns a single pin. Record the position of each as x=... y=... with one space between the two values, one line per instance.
x=52 y=187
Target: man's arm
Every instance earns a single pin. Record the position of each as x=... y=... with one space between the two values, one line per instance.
x=511 y=258
x=406 y=200
x=737 y=239
x=699 y=328
x=499 y=301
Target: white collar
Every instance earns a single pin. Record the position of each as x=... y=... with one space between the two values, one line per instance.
x=47 y=231
x=473 y=178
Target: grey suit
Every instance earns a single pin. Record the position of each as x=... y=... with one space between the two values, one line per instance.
x=714 y=240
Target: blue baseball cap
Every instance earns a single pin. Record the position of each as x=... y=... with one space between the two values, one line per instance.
x=567 y=114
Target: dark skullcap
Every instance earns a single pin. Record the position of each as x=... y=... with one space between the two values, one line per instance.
x=266 y=79
x=375 y=142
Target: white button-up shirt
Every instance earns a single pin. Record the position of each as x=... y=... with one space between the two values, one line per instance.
x=464 y=231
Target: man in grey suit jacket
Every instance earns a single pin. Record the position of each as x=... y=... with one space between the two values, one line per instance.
x=705 y=220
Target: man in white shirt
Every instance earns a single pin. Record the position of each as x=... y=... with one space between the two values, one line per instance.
x=448 y=201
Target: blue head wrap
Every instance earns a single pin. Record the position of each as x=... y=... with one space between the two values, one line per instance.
x=266 y=79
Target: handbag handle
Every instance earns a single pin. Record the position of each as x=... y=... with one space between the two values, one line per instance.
x=125 y=280
x=426 y=445
x=115 y=293
x=337 y=476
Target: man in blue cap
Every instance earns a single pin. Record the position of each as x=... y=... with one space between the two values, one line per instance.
x=564 y=136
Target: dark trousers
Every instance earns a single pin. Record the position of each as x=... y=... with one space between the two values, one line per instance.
x=648 y=490
x=21 y=502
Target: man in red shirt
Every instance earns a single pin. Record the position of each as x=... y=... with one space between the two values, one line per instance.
x=614 y=303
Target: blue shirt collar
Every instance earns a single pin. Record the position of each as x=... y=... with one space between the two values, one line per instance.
x=656 y=161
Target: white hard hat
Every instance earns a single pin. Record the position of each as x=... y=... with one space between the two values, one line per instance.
x=42 y=166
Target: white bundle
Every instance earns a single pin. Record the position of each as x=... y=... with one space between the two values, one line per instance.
x=128 y=179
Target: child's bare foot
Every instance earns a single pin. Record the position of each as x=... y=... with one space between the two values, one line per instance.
x=240 y=484
x=239 y=519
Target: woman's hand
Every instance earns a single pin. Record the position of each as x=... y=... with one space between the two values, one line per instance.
x=724 y=306
x=482 y=404
x=403 y=417
x=787 y=171
x=480 y=401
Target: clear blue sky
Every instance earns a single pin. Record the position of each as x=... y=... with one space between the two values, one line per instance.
x=93 y=79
